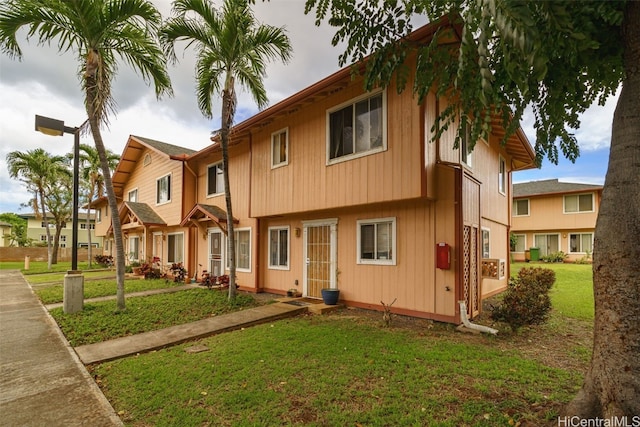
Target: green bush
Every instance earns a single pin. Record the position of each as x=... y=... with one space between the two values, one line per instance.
x=526 y=300
x=554 y=257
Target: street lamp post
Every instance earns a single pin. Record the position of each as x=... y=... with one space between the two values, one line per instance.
x=74 y=281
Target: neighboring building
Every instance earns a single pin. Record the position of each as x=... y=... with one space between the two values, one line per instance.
x=555 y=216
x=37 y=232
x=5 y=232
x=335 y=187
x=149 y=180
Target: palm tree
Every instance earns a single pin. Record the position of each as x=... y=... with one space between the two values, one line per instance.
x=39 y=171
x=93 y=179
x=96 y=32
x=230 y=46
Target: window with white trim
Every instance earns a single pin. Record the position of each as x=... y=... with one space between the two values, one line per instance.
x=502 y=175
x=163 y=189
x=280 y=148
x=134 y=248
x=357 y=128
x=98 y=215
x=175 y=247
x=486 y=243
x=279 y=248
x=243 y=249
x=581 y=243
x=377 y=241
x=215 y=179
x=521 y=242
x=521 y=207
x=577 y=203
x=133 y=195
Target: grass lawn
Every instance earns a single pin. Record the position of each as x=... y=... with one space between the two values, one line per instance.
x=346 y=369
x=100 y=288
x=572 y=295
x=37 y=267
x=99 y=321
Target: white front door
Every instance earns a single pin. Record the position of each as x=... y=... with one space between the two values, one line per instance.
x=216 y=253
x=320 y=256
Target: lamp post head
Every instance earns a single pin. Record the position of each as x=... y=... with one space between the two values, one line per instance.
x=49 y=126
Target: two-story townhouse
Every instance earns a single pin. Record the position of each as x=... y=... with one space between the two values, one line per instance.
x=37 y=232
x=335 y=187
x=555 y=216
x=154 y=195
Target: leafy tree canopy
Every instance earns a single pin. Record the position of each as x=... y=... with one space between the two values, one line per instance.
x=557 y=57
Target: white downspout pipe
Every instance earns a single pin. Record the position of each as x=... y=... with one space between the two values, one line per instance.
x=468 y=324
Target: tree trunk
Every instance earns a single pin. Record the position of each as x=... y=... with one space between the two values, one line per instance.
x=89 y=231
x=612 y=384
x=56 y=244
x=228 y=109
x=111 y=195
x=45 y=220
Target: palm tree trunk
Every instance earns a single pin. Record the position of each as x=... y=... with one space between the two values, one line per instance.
x=111 y=195
x=612 y=383
x=45 y=220
x=90 y=199
x=228 y=103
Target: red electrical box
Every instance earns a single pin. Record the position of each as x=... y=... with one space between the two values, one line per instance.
x=443 y=257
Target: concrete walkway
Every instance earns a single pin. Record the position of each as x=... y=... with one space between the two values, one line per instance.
x=42 y=382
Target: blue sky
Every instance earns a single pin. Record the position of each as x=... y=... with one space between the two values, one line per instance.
x=589 y=168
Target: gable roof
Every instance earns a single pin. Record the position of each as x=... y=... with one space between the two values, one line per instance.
x=131 y=153
x=517 y=145
x=551 y=186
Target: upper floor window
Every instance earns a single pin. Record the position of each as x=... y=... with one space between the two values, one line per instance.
x=133 y=195
x=98 y=215
x=280 y=148
x=83 y=226
x=521 y=207
x=163 y=189
x=377 y=241
x=578 y=203
x=215 y=179
x=502 y=176
x=357 y=128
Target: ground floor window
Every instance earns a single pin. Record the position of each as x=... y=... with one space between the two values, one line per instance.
x=548 y=243
x=279 y=248
x=486 y=243
x=581 y=243
x=175 y=248
x=134 y=248
x=521 y=243
x=243 y=249
x=377 y=241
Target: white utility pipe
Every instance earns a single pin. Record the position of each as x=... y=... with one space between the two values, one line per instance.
x=468 y=324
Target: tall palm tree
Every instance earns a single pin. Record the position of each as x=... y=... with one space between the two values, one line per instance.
x=96 y=31
x=93 y=179
x=39 y=171
x=230 y=46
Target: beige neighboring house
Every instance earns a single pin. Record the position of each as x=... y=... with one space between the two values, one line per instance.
x=5 y=232
x=37 y=232
x=555 y=216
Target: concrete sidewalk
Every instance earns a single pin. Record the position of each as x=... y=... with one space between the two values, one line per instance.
x=42 y=382
x=148 y=341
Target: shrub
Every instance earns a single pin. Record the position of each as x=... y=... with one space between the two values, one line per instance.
x=104 y=260
x=554 y=257
x=526 y=300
